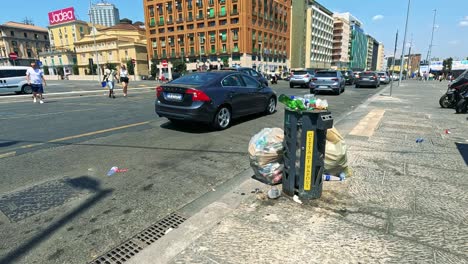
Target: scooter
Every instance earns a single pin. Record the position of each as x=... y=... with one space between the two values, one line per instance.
x=462 y=105
x=454 y=91
x=274 y=79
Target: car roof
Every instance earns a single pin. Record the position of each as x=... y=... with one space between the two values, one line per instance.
x=14 y=67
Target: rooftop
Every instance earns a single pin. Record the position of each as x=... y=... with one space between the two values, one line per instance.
x=124 y=26
x=12 y=24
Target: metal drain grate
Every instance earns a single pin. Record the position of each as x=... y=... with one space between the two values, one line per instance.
x=130 y=248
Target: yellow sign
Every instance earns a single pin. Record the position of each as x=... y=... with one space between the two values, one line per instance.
x=308 y=160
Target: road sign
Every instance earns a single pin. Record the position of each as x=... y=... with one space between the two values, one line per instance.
x=133 y=61
x=164 y=63
x=13 y=56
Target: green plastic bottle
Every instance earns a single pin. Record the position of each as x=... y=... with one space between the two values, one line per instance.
x=293 y=104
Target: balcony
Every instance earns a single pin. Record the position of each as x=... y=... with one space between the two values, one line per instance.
x=213 y=51
x=170 y=22
x=211 y=2
x=200 y=17
x=161 y=23
x=212 y=40
x=236 y=37
x=189 y=7
x=211 y=16
x=222 y=14
x=192 y=42
x=172 y=44
x=222 y=51
x=180 y=20
x=235 y=12
x=189 y=19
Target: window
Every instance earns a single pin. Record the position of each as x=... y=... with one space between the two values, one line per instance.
x=232 y=80
x=190 y=26
x=12 y=33
x=14 y=43
x=253 y=73
x=25 y=34
x=36 y=36
x=250 y=82
x=212 y=23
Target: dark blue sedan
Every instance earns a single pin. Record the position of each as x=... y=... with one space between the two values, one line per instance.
x=214 y=97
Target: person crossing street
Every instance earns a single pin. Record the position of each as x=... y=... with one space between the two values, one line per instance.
x=35 y=78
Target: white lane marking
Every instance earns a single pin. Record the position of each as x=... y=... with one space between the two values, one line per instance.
x=46 y=114
x=73 y=92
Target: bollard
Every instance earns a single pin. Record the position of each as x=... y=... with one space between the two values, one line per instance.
x=304 y=152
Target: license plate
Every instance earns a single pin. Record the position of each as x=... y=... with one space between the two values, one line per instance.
x=174 y=96
x=321 y=86
x=366 y=79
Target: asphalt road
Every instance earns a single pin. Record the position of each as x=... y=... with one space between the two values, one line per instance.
x=58 y=205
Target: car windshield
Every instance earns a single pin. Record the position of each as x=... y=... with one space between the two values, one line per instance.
x=367 y=74
x=381 y=74
x=326 y=74
x=300 y=72
x=195 y=78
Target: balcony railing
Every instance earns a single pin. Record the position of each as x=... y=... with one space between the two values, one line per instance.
x=180 y=20
x=200 y=17
x=235 y=37
x=192 y=42
x=172 y=44
x=170 y=22
x=223 y=51
x=161 y=23
x=234 y=12
x=189 y=7
x=213 y=40
x=222 y=14
x=213 y=51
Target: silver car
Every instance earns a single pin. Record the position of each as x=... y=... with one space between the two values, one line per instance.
x=333 y=81
x=384 y=78
x=301 y=78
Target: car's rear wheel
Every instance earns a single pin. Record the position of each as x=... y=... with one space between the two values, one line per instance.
x=291 y=86
x=27 y=89
x=271 y=106
x=222 y=119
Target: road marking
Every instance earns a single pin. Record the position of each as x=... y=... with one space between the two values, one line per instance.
x=13 y=152
x=54 y=113
x=8 y=154
x=366 y=127
x=74 y=92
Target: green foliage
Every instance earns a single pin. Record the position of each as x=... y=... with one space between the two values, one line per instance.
x=130 y=67
x=179 y=66
x=60 y=71
x=154 y=69
x=75 y=69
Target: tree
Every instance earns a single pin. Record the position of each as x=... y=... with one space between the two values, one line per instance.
x=154 y=69
x=130 y=67
x=449 y=64
x=75 y=69
x=444 y=66
x=179 y=66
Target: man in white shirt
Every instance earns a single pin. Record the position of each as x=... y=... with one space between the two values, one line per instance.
x=109 y=77
x=35 y=78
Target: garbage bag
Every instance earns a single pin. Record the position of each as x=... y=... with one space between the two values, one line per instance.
x=336 y=160
x=266 y=155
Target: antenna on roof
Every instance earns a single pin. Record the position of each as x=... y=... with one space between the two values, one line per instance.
x=28 y=21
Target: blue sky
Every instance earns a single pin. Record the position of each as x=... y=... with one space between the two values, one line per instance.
x=381 y=19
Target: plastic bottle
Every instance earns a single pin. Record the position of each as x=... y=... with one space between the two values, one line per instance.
x=112 y=171
x=328 y=177
x=292 y=102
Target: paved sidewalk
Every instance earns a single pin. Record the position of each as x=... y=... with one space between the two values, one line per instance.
x=406 y=202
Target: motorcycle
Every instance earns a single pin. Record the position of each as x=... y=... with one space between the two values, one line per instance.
x=274 y=79
x=462 y=105
x=454 y=91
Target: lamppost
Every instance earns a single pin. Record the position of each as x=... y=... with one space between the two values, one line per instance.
x=95 y=48
x=404 y=43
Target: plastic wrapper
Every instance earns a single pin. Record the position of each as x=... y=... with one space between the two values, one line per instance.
x=266 y=155
x=336 y=160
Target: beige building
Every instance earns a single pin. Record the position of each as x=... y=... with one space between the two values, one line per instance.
x=23 y=39
x=61 y=57
x=319 y=37
x=115 y=45
x=341 y=40
x=381 y=57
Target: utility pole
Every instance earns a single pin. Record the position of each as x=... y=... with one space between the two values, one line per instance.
x=404 y=43
x=409 y=57
x=95 y=47
x=393 y=62
x=432 y=38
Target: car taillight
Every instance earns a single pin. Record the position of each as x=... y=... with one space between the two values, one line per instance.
x=159 y=90
x=197 y=95
x=357 y=76
x=335 y=79
x=307 y=76
x=314 y=79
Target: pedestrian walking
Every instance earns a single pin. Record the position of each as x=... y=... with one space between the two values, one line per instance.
x=123 y=76
x=109 y=78
x=35 y=78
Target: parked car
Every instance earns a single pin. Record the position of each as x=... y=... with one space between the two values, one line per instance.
x=356 y=75
x=368 y=79
x=384 y=78
x=13 y=80
x=349 y=77
x=301 y=78
x=328 y=81
x=251 y=72
x=214 y=97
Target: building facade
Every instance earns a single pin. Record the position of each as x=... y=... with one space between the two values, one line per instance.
x=341 y=40
x=298 y=34
x=105 y=14
x=26 y=41
x=381 y=58
x=61 y=56
x=114 y=45
x=411 y=63
x=372 y=53
x=211 y=34
x=319 y=37
x=357 y=44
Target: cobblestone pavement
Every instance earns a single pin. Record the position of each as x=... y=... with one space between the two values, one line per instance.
x=405 y=203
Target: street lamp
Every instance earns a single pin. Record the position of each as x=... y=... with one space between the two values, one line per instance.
x=95 y=48
x=404 y=43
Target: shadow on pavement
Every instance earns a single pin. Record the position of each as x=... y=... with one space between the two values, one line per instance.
x=8 y=143
x=463 y=149
x=83 y=183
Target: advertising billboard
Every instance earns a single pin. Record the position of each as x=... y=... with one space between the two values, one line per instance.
x=62 y=15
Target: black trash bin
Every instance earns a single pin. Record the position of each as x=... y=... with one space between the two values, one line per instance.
x=304 y=142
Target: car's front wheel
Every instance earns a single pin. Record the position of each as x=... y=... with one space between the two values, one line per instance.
x=27 y=89
x=222 y=119
x=271 y=106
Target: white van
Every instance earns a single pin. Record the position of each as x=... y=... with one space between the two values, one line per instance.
x=13 y=80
